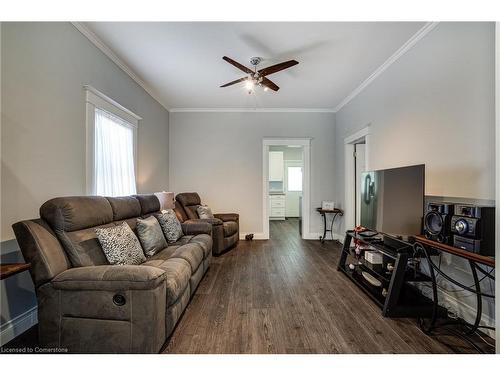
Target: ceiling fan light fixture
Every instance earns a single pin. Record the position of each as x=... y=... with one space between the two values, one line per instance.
x=249 y=85
x=258 y=77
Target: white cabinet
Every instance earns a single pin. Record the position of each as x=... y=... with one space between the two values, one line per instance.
x=277 y=205
x=276 y=166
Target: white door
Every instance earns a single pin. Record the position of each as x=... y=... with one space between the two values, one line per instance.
x=360 y=162
x=293 y=187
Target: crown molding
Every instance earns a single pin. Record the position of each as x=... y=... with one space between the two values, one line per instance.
x=426 y=29
x=256 y=110
x=96 y=41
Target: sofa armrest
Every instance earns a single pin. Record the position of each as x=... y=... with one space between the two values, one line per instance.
x=196 y=227
x=228 y=217
x=213 y=221
x=110 y=277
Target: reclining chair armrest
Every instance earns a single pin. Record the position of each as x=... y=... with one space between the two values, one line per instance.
x=213 y=221
x=196 y=227
x=110 y=277
x=228 y=217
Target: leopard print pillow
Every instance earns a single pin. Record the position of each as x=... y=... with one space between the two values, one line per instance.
x=120 y=245
x=170 y=225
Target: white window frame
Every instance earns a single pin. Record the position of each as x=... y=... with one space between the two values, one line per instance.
x=96 y=99
x=294 y=165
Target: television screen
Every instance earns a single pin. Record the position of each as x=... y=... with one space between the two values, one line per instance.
x=392 y=200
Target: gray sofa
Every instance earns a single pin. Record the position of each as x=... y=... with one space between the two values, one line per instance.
x=87 y=305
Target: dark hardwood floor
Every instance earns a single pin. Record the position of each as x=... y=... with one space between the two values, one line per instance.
x=285 y=295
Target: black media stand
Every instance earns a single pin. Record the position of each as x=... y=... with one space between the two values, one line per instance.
x=395 y=296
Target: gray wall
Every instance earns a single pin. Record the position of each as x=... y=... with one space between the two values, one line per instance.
x=44 y=68
x=219 y=155
x=434 y=106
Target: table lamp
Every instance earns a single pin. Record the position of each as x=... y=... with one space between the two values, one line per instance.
x=166 y=200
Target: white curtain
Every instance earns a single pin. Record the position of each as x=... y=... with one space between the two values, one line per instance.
x=114 y=173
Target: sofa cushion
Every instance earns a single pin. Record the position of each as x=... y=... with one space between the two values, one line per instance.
x=150 y=235
x=165 y=253
x=83 y=248
x=178 y=275
x=149 y=203
x=179 y=211
x=192 y=253
x=190 y=203
x=230 y=228
x=170 y=225
x=120 y=245
x=124 y=207
x=205 y=242
x=74 y=213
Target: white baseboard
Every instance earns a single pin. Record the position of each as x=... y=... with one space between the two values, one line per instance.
x=256 y=236
x=315 y=236
x=18 y=325
x=308 y=236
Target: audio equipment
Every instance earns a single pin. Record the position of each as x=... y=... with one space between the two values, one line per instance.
x=437 y=220
x=474 y=228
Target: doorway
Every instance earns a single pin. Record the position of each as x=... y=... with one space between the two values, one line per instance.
x=286 y=175
x=359 y=168
x=356 y=162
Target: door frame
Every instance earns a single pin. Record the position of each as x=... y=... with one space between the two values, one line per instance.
x=497 y=183
x=306 y=191
x=350 y=171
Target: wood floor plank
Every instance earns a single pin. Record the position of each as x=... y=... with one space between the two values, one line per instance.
x=285 y=295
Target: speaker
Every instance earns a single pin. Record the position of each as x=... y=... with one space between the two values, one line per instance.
x=474 y=228
x=437 y=221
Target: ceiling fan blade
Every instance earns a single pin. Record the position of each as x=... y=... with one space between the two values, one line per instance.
x=276 y=68
x=270 y=84
x=238 y=65
x=235 y=81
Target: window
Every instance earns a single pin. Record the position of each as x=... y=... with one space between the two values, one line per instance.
x=294 y=178
x=111 y=146
x=114 y=170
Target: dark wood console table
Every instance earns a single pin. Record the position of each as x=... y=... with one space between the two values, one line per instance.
x=335 y=212
x=10 y=269
x=476 y=263
x=401 y=298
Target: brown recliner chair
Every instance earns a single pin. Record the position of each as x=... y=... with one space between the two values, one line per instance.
x=225 y=227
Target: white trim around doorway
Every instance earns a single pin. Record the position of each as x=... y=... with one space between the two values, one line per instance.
x=349 y=142
x=306 y=190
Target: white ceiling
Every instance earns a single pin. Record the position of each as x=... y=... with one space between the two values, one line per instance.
x=182 y=62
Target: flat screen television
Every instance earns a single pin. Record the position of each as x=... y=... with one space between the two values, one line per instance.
x=392 y=200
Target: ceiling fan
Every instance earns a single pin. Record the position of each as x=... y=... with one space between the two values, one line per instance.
x=258 y=77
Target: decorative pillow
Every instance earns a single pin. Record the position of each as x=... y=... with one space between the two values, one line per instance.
x=120 y=245
x=150 y=235
x=170 y=225
x=204 y=212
